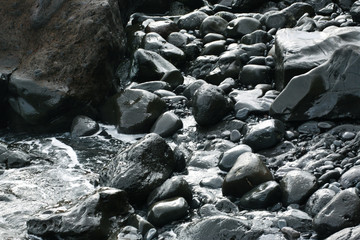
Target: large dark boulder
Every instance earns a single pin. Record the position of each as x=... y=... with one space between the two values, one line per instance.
x=68 y=61
x=297 y=52
x=90 y=218
x=133 y=110
x=328 y=91
x=141 y=168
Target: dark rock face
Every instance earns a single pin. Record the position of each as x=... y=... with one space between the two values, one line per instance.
x=297 y=186
x=328 y=91
x=60 y=63
x=89 y=219
x=262 y=196
x=341 y=212
x=210 y=105
x=133 y=111
x=265 y=134
x=298 y=52
x=141 y=168
x=219 y=227
x=248 y=172
x=166 y=211
x=83 y=126
x=252 y=74
x=171 y=188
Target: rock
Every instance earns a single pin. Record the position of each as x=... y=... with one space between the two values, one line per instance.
x=298 y=52
x=345 y=4
x=262 y=196
x=212 y=182
x=318 y=200
x=149 y=66
x=213 y=24
x=211 y=37
x=258 y=36
x=205 y=159
x=230 y=156
x=265 y=134
x=128 y=232
x=151 y=86
x=248 y=172
x=133 y=111
x=13 y=158
x=290 y=233
x=352 y=233
x=255 y=74
x=210 y=105
x=341 y=212
x=252 y=100
x=164 y=28
x=325 y=92
x=141 y=168
x=218 y=227
x=192 y=87
x=166 y=211
x=192 y=21
x=350 y=178
x=50 y=83
x=355 y=11
x=297 y=186
x=171 y=188
x=241 y=26
x=167 y=124
x=297 y=220
x=154 y=42
x=90 y=218
x=83 y=126
x=140 y=223
x=246 y=5
x=214 y=48
x=178 y=39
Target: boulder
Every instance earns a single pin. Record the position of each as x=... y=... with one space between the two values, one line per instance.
x=69 y=61
x=265 y=134
x=297 y=186
x=191 y=21
x=297 y=52
x=318 y=200
x=213 y=24
x=248 y=172
x=328 y=91
x=166 y=211
x=341 y=212
x=171 y=188
x=167 y=124
x=210 y=105
x=90 y=218
x=252 y=74
x=83 y=126
x=133 y=110
x=141 y=168
x=149 y=66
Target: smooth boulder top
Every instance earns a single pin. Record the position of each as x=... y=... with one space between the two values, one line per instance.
x=298 y=52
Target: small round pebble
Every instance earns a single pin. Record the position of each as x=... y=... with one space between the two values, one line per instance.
x=347 y=136
x=235 y=136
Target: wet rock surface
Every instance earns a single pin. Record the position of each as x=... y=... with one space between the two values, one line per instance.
x=251 y=107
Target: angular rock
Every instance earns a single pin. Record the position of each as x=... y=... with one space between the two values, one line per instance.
x=328 y=91
x=230 y=156
x=318 y=200
x=133 y=111
x=297 y=186
x=298 y=52
x=83 y=126
x=192 y=21
x=248 y=172
x=13 y=158
x=241 y=26
x=252 y=100
x=341 y=212
x=262 y=196
x=60 y=68
x=265 y=134
x=166 y=211
x=210 y=105
x=167 y=124
x=297 y=220
x=149 y=66
x=171 y=188
x=141 y=168
x=88 y=219
x=154 y=42
x=213 y=24
x=252 y=74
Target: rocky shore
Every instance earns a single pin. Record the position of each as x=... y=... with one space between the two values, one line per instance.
x=245 y=112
